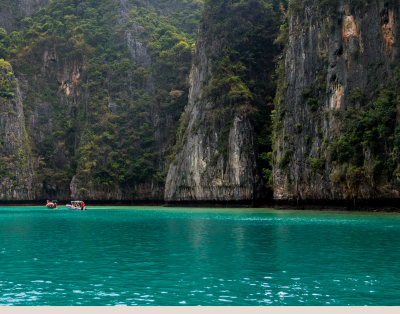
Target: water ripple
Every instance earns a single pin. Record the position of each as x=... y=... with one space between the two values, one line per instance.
x=157 y=256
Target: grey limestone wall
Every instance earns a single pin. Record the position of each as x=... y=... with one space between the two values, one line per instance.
x=331 y=57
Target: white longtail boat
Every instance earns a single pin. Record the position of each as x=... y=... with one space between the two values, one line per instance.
x=77 y=205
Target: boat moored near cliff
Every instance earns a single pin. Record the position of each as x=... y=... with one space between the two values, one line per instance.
x=76 y=205
x=52 y=204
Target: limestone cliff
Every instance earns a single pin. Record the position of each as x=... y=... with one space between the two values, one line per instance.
x=16 y=171
x=92 y=110
x=199 y=172
x=216 y=158
x=137 y=39
x=336 y=119
x=100 y=94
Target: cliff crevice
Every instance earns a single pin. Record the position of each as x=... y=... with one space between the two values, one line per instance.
x=334 y=137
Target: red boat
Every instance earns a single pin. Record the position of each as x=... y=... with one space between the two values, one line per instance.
x=52 y=204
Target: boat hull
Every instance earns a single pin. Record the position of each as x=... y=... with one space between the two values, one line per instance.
x=75 y=208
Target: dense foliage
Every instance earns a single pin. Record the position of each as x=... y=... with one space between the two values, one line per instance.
x=113 y=120
x=372 y=129
x=7 y=85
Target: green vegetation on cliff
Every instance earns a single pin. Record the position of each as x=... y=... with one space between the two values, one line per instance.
x=113 y=116
x=240 y=39
x=337 y=103
x=7 y=85
x=104 y=85
x=371 y=130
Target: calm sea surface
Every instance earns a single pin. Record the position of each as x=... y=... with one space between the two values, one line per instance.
x=171 y=256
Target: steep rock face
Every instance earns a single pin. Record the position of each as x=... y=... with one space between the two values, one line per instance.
x=138 y=51
x=136 y=47
x=137 y=40
x=332 y=135
x=199 y=172
x=10 y=9
x=225 y=132
x=16 y=173
x=42 y=121
x=100 y=128
x=68 y=75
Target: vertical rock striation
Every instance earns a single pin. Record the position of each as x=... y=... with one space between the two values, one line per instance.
x=226 y=125
x=335 y=128
x=16 y=173
x=103 y=117
x=199 y=172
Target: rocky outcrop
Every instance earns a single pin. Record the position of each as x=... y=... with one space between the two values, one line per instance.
x=199 y=172
x=334 y=66
x=136 y=47
x=138 y=51
x=16 y=169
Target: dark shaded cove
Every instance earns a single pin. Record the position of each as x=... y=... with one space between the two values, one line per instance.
x=378 y=205
x=220 y=204
x=372 y=205
x=364 y=205
x=88 y=203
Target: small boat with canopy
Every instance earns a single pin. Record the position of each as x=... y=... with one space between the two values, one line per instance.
x=77 y=205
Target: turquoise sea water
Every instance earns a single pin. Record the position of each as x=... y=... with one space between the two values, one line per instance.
x=178 y=256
